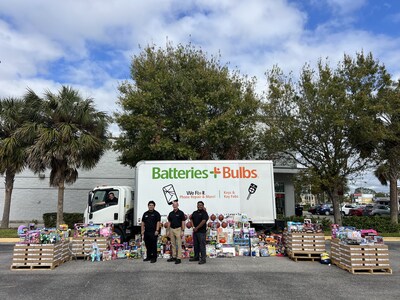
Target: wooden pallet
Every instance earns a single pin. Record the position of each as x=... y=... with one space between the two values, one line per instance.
x=39 y=256
x=361 y=259
x=305 y=246
x=35 y=266
x=304 y=256
x=81 y=247
x=364 y=270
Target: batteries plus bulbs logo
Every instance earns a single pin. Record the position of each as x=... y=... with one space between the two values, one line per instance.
x=192 y=173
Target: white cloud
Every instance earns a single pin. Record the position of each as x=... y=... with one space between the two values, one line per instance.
x=46 y=43
x=345 y=7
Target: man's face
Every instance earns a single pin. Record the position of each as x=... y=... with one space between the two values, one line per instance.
x=111 y=196
x=151 y=206
x=200 y=206
x=175 y=204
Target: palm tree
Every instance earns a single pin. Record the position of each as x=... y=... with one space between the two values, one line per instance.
x=72 y=135
x=389 y=173
x=14 y=113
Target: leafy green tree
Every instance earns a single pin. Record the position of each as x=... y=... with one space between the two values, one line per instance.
x=379 y=137
x=363 y=190
x=381 y=194
x=389 y=148
x=14 y=113
x=70 y=135
x=182 y=105
x=311 y=120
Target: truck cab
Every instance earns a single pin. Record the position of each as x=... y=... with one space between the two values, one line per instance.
x=111 y=204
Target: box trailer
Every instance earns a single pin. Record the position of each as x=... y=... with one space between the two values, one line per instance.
x=225 y=187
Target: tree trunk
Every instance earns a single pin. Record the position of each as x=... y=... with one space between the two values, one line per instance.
x=60 y=203
x=333 y=196
x=393 y=176
x=394 y=202
x=9 y=184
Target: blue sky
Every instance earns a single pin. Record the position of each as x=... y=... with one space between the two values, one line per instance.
x=89 y=44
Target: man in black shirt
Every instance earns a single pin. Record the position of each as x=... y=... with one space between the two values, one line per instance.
x=111 y=200
x=199 y=219
x=150 y=229
x=176 y=218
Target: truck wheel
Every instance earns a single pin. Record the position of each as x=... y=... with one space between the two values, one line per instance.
x=327 y=213
x=342 y=213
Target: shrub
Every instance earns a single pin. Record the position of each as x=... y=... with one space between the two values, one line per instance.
x=380 y=224
x=50 y=219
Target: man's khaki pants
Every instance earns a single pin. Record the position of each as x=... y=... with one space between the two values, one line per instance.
x=176 y=241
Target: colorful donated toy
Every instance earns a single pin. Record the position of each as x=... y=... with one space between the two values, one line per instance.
x=22 y=229
x=325 y=260
x=96 y=254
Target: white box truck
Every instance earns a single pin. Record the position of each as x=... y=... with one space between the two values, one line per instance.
x=225 y=187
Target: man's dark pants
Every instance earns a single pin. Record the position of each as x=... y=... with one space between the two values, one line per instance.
x=151 y=245
x=199 y=243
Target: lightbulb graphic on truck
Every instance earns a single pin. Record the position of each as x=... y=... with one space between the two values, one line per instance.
x=169 y=193
x=252 y=189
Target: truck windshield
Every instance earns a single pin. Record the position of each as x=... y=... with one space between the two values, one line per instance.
x=104 y=198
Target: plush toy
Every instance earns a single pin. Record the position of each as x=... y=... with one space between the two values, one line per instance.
x=106 y=255
x=96 y=254
x=22 y=230
x=106 y=229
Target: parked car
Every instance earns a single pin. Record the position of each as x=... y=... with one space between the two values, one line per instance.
x=380 y=210
x=345 y=209
x=358 y=211
x=367 y=209
x=313 y=209
x=325 y=209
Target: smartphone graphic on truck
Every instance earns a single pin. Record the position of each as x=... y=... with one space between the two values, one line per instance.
x=169 y=193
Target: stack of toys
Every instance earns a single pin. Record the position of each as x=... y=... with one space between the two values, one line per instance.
x=227 y=235
x=348 y=235
x=33 y=235
x=307 y=226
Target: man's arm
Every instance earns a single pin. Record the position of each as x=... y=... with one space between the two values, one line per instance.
x=142 y=227
x=158 y=224
x=200 y=225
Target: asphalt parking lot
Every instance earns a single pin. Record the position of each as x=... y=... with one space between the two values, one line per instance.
x=220 y=278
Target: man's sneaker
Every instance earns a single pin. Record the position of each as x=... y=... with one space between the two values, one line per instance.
x=178 y=261
x=153 y=261
x=194 y=259
x=171 y=259
x=147 y=259
x=203 y=261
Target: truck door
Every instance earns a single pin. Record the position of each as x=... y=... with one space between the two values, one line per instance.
x=104 y=206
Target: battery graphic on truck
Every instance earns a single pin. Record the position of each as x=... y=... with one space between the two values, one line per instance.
x=169 y=193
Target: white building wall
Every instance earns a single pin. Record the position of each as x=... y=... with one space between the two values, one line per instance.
x=32 y=197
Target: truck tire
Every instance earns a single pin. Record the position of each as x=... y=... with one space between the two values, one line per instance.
x=327 y=213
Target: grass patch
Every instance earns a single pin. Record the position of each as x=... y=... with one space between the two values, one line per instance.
x=9 y=233
x=390 y=234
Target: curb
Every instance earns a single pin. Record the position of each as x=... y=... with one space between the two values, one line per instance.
x=9 y=240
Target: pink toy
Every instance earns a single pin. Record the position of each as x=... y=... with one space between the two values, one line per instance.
x=368 y=232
